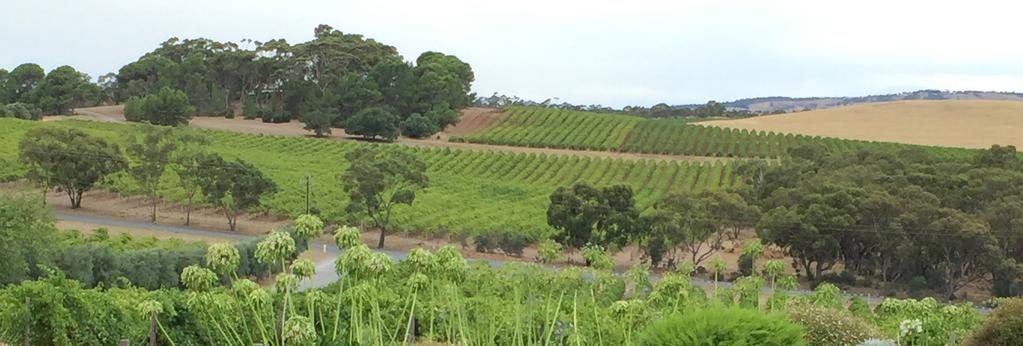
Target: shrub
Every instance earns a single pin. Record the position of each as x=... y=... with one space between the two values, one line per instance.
x=94 y=264
x=938 y=322
x=549 y=251
x=510 y=244
x=319 y=122
x=826 y=326
x=597 y=258
x=442 y=115
x=373 y=122
x=747 y=260
x=250 y=110
x=418 y=126
x=859 y=307
x=746 y=265
x=1003 y=327
x=64 y=313
x=484 y=242
x=276 y=117
x=21 y=111
x=722 y=326
x=133 y=109
x=99 y=260
x=166 y=107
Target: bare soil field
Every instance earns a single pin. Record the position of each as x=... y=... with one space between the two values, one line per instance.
x=950 y=123
x=473 y=119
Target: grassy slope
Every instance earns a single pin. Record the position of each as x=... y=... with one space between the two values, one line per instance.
x=471 y=191
x=952 y=123
x=543 y=127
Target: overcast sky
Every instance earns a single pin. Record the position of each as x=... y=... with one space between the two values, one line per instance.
x=581 y=51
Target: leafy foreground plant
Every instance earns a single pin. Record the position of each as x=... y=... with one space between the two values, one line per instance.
x=429 y=297
x=1003 y=327
x=723 y=326
x=831 y=327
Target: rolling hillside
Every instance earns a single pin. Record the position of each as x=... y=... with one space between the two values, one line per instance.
x=951 y=123
x=470 y=191
x=578 y=130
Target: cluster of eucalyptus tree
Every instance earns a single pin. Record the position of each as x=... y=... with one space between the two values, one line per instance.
x=335 y=80
x=898 y=217
x=28 y=92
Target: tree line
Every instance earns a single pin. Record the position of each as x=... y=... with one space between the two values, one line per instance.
x=75 y=162
x=376 y=180
x=897 y=217
x=892 y=220
x=335 y=80
x=712 y=109
x=28 y=92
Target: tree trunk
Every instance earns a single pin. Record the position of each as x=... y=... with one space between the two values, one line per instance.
x=232 y=220
x=809 y=272
x=152 y=199
x=76 y=199
x=383 y=233
x=188 y=212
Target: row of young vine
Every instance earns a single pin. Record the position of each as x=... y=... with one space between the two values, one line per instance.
x=564 y=129
x=470 y=191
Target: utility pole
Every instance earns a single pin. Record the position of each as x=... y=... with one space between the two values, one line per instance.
x=307 y=193
x=28 y=321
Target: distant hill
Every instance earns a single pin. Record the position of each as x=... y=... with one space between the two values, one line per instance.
x=750 y=106
x=775 y=104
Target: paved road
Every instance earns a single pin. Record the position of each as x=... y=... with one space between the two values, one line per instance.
x=325 y=273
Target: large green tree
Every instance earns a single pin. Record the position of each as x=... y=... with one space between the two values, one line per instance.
x=190 y=176
x=68 y=158
x=232 y=186
x=808 y=222
x=319 y=121
x=683 y=220
x=585 y=214
x=21 y=82
x=63 y=89
x=961 y=248
x=377 y=180
x=443 y=78
x=372 y=123
x=151 y=151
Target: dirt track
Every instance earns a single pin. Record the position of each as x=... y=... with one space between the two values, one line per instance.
x=473 y=119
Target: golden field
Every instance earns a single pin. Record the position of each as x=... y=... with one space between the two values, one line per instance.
x=951 y=123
